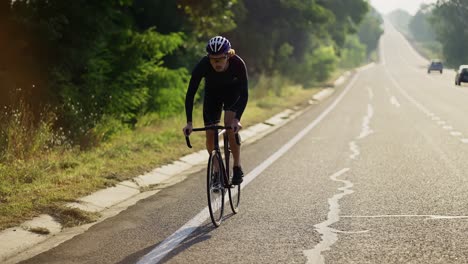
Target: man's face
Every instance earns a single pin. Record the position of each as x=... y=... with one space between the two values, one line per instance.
x=219 y=62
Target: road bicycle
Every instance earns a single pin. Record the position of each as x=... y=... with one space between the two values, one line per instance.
x=219 y=175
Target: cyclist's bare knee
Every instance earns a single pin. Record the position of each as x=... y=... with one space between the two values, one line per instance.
x=228 y=117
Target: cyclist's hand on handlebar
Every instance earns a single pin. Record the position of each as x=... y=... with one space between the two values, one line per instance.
x=236 y=125
x=187 y=130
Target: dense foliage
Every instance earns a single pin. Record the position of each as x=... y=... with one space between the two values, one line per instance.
x=419 y=25
x=450 y=22
x=441 y=28
x=370 y=30
x=113 y=61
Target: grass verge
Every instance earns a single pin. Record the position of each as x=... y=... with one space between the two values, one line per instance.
x=44 y=183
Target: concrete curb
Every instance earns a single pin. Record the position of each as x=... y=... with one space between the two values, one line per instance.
x=43 y=233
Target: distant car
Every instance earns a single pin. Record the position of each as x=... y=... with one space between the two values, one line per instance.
x=462 y=75
x=436 y=65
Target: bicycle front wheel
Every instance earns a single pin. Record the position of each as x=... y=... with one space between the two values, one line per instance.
x=215 y=188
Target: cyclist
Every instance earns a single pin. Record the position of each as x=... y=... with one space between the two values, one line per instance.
x=226 y=87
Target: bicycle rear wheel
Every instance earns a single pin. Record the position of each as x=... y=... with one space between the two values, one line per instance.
x=234 y=197
x=234 y=190
x=215 y=189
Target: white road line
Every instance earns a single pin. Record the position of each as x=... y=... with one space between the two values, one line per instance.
x=456 y=133
x=366 y=130
x=408 y=216
x=395 y=102
x=424 y=109
x=424 y=60
x=464 y=140
x=329 y=235
x=166 y=246
x=354 y=150
x=352 y=232
x=371 y=93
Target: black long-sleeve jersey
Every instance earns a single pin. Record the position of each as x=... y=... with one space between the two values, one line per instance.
x=228 y=86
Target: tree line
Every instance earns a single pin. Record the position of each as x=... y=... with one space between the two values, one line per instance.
x=450 y=23
x=91 y=62
x=444 y=24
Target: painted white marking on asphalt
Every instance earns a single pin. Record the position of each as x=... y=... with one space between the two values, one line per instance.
x=424 y=109
x=365 y=131
x=418 y=105
x=464 y=140
x=435 y=217
x=394 y=101
x=365 y=124
x=166 y=246
x=371 y=93
x=352 y=232
x=456 y=133
x=354 y=149
x=329 y=235
x=426 y=112
x=175 y=239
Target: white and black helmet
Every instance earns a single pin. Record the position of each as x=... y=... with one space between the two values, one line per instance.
x=218 y=45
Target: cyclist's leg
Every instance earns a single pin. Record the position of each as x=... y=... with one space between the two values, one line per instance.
x=212 y=109
x=210 y=141
x=228 y=117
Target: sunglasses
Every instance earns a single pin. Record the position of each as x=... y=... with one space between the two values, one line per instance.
x=218 y=59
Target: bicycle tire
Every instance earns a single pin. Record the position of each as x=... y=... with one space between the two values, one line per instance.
x=215 y=189
x=234 y=190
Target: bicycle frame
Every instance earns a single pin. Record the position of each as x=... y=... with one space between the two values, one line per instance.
x=216 y=213
x=225 y=162
x=215 y=128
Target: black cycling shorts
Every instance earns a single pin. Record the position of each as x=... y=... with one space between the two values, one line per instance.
x=213 y=106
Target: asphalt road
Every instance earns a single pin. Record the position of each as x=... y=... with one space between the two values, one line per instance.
x=377 y=174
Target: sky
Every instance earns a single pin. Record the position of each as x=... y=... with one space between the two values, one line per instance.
x=386 y=6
